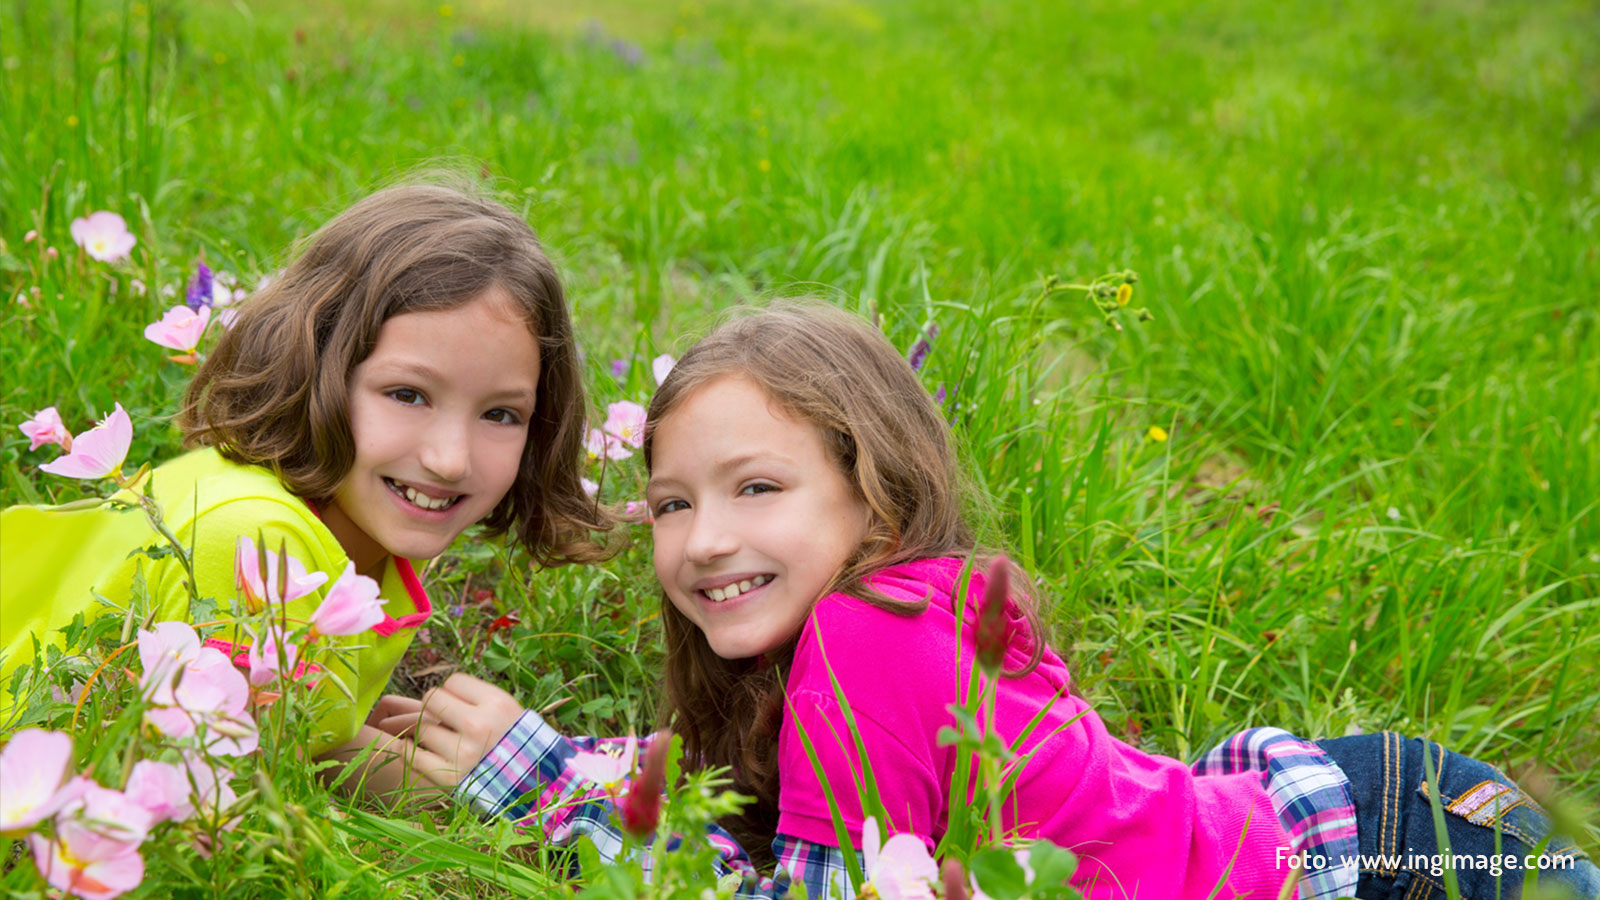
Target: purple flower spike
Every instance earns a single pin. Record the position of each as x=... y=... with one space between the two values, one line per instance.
x=199 y=293
x=919 y=350
x=619 y=368
x=938 y=396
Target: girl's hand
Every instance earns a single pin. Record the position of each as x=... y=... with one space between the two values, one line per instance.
x=454 y=726
x=392 y=772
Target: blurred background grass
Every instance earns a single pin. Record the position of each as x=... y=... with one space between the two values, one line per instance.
x=1367 y=233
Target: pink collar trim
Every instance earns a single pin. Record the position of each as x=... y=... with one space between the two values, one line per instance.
x=419 y=599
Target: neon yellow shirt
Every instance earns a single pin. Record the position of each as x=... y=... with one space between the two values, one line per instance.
x=53 y=562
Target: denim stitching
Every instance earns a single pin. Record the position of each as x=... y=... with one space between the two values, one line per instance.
x=1393 y=752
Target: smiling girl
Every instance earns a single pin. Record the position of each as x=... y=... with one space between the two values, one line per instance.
x=805 y=495
x=410 y=374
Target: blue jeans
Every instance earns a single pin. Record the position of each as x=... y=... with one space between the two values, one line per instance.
x=1394 y=825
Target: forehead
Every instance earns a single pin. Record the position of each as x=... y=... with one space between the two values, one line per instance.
x=485 y=338
x=726 y=417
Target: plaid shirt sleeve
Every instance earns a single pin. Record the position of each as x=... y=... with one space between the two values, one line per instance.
x=1310 y=794
x=527 y=777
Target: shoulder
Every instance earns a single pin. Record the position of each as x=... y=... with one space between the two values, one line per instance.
x=856 y=639
x=220 y=500
x=920 y=595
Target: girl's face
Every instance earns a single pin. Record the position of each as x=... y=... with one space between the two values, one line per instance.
x=440 y=414
x=752 y=518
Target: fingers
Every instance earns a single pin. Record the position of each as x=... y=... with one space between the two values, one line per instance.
x=472 y=690
x=391 y=705
x=395 y=766
x=404 y=724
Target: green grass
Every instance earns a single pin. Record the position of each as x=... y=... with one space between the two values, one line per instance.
x=1367 y=233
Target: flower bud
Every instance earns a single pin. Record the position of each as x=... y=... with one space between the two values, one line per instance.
x=994 y=626
x=641 y=808
x=955 y=880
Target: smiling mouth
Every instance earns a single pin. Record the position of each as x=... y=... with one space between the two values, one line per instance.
x=419 y=499
x=730 y=591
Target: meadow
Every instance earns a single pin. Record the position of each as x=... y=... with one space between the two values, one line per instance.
x=1345 y=478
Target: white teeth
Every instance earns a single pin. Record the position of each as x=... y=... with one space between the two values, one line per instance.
x=728 y=592
x=423 y=500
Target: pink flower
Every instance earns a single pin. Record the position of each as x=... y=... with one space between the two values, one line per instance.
x=86 y=864
x=625 y=419
x=590 y=486
x=602 y=444
x=191 y=688
x=636 y=509
x=164 y=649
x=227 y=317
x=34 y=766
x=180 y=328
x=108 y=813
x=162 y=789
x=661 y=365
x=259 y=591
x=212 y=793
x=46 y=427
x=606 y=769
x=903 y=870
x=97 y=452
x=104 y=236
x=263 y=656
x=351 y=607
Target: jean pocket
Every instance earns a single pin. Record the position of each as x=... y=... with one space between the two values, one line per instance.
x=1482 y=795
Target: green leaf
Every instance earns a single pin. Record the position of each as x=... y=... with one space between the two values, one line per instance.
x=1051 y=865
x=998 y=874
x=840 y=831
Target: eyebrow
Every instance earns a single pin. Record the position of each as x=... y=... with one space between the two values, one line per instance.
x=722 y=466
x=429 y=373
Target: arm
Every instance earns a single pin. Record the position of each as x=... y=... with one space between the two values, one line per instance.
x=525 y=773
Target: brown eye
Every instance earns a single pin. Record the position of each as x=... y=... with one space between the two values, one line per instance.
x=408 y=396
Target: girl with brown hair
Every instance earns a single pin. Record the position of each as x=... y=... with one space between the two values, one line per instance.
x=805 y=494
x=412 y=373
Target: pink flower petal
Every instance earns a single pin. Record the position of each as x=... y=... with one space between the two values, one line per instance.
x=97 y=452
x=661 y=365
x=180 y=328
x=34 y=766
x=104 y=236
x=162 y=788
x=351 y=606
x=46 y=427
x=625 y=421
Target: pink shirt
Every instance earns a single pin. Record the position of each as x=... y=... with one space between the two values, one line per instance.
x=1142 y=826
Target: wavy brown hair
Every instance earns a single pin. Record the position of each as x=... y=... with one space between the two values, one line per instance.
x=889 y=440
x=275 y=391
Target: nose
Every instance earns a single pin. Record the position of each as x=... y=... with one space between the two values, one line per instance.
x=446 y=451
x=710 y=538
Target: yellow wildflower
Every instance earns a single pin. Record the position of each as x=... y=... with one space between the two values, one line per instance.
x=1156 y=432
x=446 y=11
x=1124 y=294
x=765 y=165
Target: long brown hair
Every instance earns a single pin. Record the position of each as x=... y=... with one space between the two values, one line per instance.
x=888 y=438
x=275 y=393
